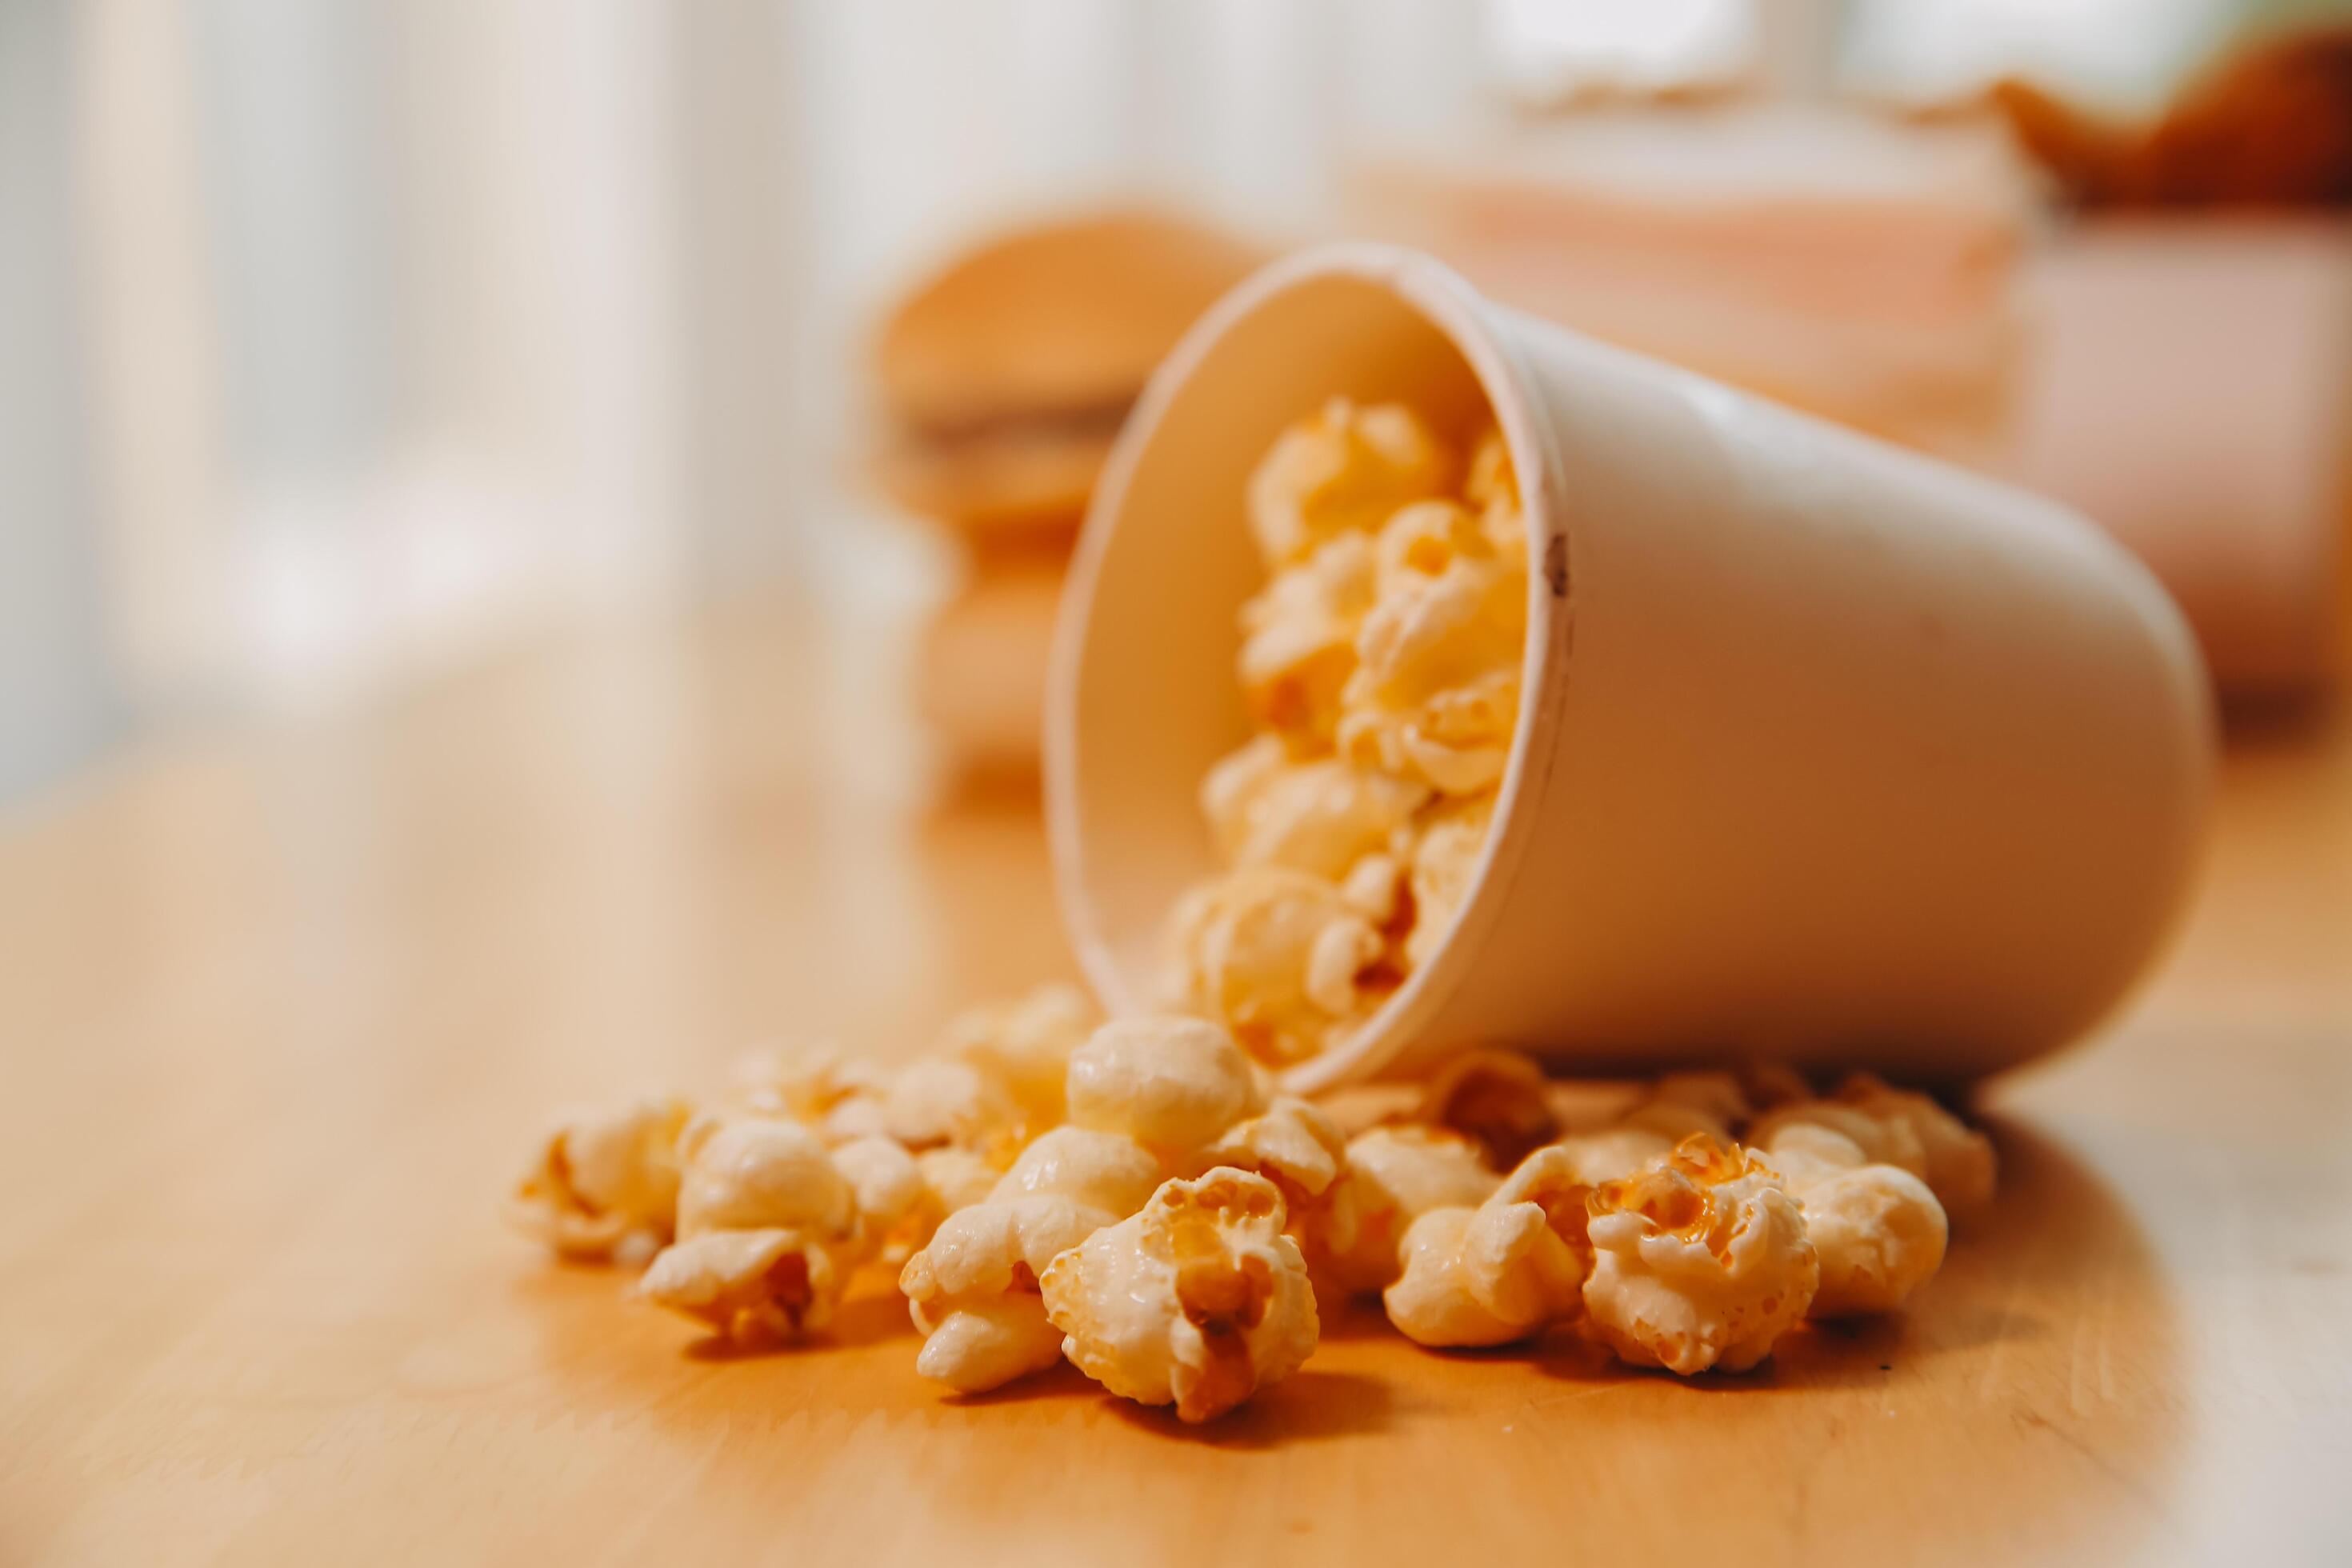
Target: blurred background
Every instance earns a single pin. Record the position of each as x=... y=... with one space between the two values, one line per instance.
x=346 y=345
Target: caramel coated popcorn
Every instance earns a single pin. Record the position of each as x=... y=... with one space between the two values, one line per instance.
x=1502 y=1271
x=1295 y=1145
x=1393 y=1177
x=1493 y=488
x=1322 y=816
x=1170 y=1233
x=1279 y=956
x=1880 y=1231
x=943 y=1099
x=895 y=1207
x=1700 y=1260
x=973 y=1289
x=1298 y=643
x=991 y=1082
x=748 y=1285
x=1882 y=1140
x=838 y=1095
x=1198 y=1300
x=955 y=1178
x=1292 y=1143
x=1957 y=1161
x=1442 y=860
x=1173 y=1085
x=768 y=1230
x=1613 y=1153
x=1343 y=471
x=1025 y=1047
x=1435 y=691
x=605 y=1184
x=1494 y=1099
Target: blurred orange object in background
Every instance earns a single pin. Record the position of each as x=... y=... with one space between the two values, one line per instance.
x=1003 y=378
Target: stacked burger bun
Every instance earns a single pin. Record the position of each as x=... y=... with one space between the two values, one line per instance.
x=1002 y=380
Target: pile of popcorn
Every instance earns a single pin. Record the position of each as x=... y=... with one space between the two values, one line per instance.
x=1380 y=665
x=1136 y=1196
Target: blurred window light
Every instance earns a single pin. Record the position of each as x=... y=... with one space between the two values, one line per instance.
x=56 y=700
x=1552 y=49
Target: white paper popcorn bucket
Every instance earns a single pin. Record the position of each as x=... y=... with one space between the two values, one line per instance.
x=1828 y=752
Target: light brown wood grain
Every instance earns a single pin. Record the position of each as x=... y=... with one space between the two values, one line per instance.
x=279 y=1011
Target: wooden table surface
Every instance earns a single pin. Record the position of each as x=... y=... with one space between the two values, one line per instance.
x=280 y=1009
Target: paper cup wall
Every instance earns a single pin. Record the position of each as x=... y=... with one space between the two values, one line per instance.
x=1827 y=752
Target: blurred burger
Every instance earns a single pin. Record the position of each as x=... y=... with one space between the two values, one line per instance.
x=1002 y=380
x=1005 y=377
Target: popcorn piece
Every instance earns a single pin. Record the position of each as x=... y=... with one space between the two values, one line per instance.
x=1490 y=478
x=1025 y=1045
x=1700 y=1260
x=1357 y=1108
x=1374 y=887
x=1291 y=1143
x=1299 y=642
x=1614 y=1153
x=604 y=1186
x=1674 y=1120
x=1497 y=1099
x=1502 y=1271
x=1721 y=1096
x=1278 y=956
x=1879 y=1231
x=996 y=1336
x=768 y=1230
x=857 y=1116
x=748 y=1285
x=1171 y=1084
x=1435 y=695
x=1445 y=859
x=1103 y=1170
x=1957 y=1162
x=974 y=1289
x=1457 y=741
x=1300 y=1149
x=839 y=1096
x=1336 y=963
x=1320 y=817
x=896 y=1210
x=1420 y=542
x=756 y=1173
x=955 y=1178
x=1198 y=1300
x=885 y=1184
x=1493 y=488
x=1882 y=1140
x=952 y=1179
x=943 y=1100
x=995 y=1079
x=1393 y=1177
x=1343 y=470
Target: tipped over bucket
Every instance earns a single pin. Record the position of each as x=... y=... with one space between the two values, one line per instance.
x=1827 y=753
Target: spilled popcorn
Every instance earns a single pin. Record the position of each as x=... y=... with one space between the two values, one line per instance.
x=1135 y=1197
x=1166 y=1223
